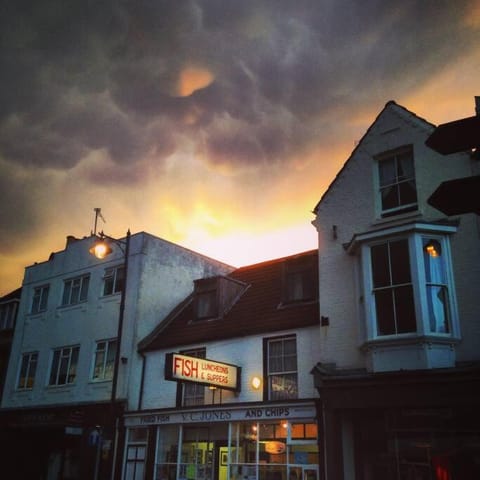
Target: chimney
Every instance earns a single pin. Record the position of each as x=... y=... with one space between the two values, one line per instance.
x=477 y=106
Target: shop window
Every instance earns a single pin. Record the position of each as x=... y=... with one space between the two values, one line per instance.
x=396 y=176
x=40 y=297
x=281 y=368
x=28 y=369
x=193 y=393
x=64 y=366
x=265 y=451
x=136 y=454
x=104 y=359
x=75 y=290
x=113 y=280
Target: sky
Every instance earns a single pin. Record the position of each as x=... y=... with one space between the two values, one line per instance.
x=214 y=124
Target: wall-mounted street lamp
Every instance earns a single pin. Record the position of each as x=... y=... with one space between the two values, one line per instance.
x=101 y=249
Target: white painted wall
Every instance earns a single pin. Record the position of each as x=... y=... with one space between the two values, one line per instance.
x=245 y=352
x=350 y=205
x=160 y=275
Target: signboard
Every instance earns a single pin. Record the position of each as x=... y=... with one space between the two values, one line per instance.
x=306 y=412
x=182 y=368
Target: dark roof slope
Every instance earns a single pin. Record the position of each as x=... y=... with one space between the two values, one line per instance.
x=257 y=310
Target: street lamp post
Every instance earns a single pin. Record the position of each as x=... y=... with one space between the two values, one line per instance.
x=101 y=249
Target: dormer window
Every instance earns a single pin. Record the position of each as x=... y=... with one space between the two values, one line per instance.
x=396 y=179
x=300 y=281
x=206 y=298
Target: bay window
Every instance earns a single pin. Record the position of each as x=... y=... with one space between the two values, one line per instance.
x=408 y=282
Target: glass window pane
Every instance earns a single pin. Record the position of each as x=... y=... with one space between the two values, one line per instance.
x=380 y=265
x=384 y=312
x=438 y=309
x=387 y=172
x=400 y=262
x=407 y=192
x=84 y=291
x=405 y=165
x=389 y=197
x=405 y=310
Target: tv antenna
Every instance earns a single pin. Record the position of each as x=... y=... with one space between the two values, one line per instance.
x=98 y=213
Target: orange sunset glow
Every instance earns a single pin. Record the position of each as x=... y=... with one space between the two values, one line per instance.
x=215 y=127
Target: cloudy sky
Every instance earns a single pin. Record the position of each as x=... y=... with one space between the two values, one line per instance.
x=214 y=124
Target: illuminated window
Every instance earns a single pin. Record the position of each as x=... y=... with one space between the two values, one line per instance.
x=408 y=284
x=28 y=369
x=436 y=285
x=396 y=174
x=282 y=368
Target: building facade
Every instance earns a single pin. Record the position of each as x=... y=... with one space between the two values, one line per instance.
x=58 y=411
x=398 y=374
x=8 y=314
x=227 y=391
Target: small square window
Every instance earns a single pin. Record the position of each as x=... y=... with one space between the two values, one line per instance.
x=206 y=299
x=300 y=280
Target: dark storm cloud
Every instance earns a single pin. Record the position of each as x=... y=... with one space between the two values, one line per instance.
x=83 y=76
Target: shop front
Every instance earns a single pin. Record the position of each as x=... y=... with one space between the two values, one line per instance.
x=67 y=443
x=275 y=441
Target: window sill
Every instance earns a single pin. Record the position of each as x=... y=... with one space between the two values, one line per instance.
x=395 y=218
x=409 y=339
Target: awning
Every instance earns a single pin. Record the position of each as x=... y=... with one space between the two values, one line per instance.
x=454 y=197
x=457 y=136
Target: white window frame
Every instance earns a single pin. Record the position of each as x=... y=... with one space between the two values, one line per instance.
x=135 y=454
x=193 y=392
x=70 y=288
x=66 y=354
x=112 y=277
x=404 y=208
x=415 y=234
x=40 y=299
x=280 y=373
x=104 y=352
x=28 y=360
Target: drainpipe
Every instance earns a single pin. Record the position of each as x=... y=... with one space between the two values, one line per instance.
x=142 y=382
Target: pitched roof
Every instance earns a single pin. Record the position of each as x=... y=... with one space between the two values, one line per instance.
x=399 y=109
x=258 y=309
